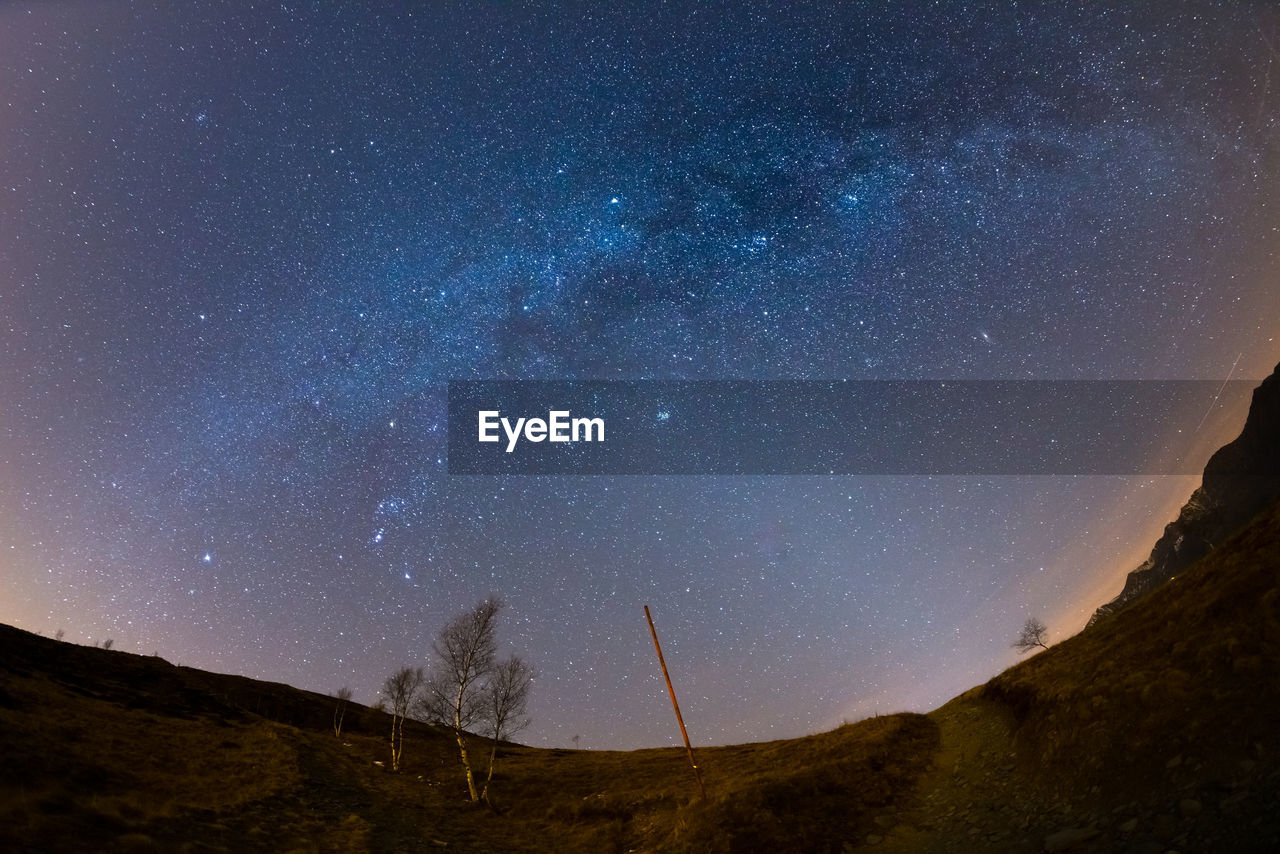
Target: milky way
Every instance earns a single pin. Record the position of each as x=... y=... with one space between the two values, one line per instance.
x=241 y=257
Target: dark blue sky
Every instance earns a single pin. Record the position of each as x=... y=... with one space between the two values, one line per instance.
x=241 y=253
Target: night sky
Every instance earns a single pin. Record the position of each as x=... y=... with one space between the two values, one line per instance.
x=243 y=251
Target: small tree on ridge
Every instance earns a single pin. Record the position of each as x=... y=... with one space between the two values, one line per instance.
x=1034 y=634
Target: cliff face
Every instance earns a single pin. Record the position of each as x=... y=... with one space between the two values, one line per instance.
x=1239 y=480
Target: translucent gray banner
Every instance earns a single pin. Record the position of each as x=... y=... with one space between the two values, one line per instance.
x=879 y=427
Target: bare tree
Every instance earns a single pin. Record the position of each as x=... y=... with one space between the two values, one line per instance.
x=455 y=697
x=106 y=644
x=400 y=690
x=506 y=703
x=342 y=696
x=1034 y=633
x=58 y=635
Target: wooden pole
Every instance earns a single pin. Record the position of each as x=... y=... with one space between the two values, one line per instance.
x=697 y=775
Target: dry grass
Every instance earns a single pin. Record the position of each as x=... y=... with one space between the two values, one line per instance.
x=91 y=768
x=805 y=794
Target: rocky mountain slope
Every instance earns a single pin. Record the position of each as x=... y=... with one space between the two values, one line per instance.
x=1240 y=479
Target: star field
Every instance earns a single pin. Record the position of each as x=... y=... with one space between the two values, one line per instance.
x=241 y=255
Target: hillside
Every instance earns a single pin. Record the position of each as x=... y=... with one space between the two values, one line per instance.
x=1148 y=732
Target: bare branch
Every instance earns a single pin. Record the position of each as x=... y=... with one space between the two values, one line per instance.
x=508 y=697
x=466 y=647
x=401 y=687
x=1034 y=634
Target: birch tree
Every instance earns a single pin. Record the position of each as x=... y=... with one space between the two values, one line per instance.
x=506 y=701
x=342 y=696
x=465 y=653
x=400 y=691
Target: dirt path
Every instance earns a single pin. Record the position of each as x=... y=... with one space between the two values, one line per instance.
x=973 y=798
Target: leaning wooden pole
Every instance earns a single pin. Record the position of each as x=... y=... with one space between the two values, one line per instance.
x=697 y=775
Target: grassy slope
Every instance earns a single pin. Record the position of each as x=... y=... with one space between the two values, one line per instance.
x=1195 y=663
x=105 y=750
x=1152 y=730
